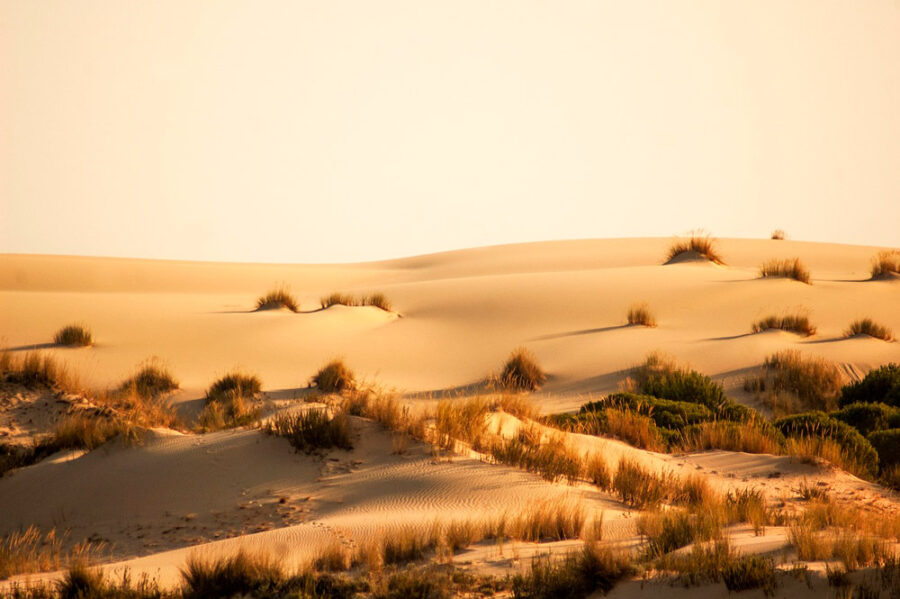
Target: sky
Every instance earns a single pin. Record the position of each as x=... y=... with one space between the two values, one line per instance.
x=332 y=131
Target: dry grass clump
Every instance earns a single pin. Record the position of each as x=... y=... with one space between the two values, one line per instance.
x=277 y=299
x=460 y=420
x=851 y=549
x=638 y=487
x=378 y=300
x=151 y=380
x=241 y=574
x=312 y=430
x=699 y=243
x=730 y=436
x=522 y=372
x=885 y=264
x=635 y=429
x=718 y=561
x=666 y=531
x=229 y=401
x=580 y=574
x=639 y=314
x=334 y=377
x=32 y=551
x=36 y=368
x=867 y=326
x=791 y=382
x=795 y=323
x=778 y=234
x=74 y=335
x=790 y=268
x=552 y=459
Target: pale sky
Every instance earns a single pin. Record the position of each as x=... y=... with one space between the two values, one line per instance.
x=341 y=131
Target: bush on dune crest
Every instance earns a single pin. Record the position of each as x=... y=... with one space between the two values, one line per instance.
x=334 y=377
x=698 y=243
x=795 y=323
x=378 y=300
x=522 y=372
x=790 y=268
x=312 y=430
x=74 y=335
x=276 y=299
x=881 y=385
x=228 y=401
x=793 y=382
x=867 y=326
x=886 y=264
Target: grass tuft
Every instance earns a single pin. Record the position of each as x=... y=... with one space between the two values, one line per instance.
x=790 y=268
x=778 y=234
x=151 y=381
x=886 y=264
x=228 y=401
x=276 y=299
x=378 y=300
x=580 y=574
x=522 y=372
x=795 y=323
x=241 y=574
x=312 y=430
x=74 y=335
x=790 y=383
x=699 y=243
x=639 y=314
x=334 y=377
x=867 y=326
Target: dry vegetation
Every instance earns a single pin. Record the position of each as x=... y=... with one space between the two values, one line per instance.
x=789 y=382
x=795 y=323
x=867 y=326
x=277 y=299
x=790 y=268
x=700 y=244
x=230 y=402
x=778 y=234
x=312 y=430
x=35 y=368
x=886 y=264
x=522 y=372
x=74 y=335
x=378 y=300
x=639 y=314
x=334 y=377
x=30 y=550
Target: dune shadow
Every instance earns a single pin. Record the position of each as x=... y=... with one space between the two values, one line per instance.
x=476 y=388
x=290 y=393
x=828 y=340
x=582 y=332
x=729 y=337
x=603 y=383
x=33 y=347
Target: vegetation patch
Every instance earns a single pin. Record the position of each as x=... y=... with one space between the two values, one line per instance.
x=880 y=385
x=639 y=314
x=334 y=377
x=886 y=264
x=378 y=300
x=594 y=568
x=790 y=382
x=790 y=268
x=229 y=401
x=522 y=372
x=74 y=335
x=699 y=244
x=795 y=323
x=860 y=456
x=312 y=430
x=867 y=326
x=277 y=299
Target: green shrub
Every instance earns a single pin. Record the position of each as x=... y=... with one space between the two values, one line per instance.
x=887 y=444
x=881 y=385
x=660 y=378
x=522 y=372
x=73 y=335
x=334 y=377
x=868 y=417
x=666 y=413
x=312 y=430
x=818 y=425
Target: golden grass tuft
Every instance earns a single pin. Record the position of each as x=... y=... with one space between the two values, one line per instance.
x=277 y=299
x=639 y=314
x=334 y=377
x=229 y=401
x=522 y=372
x=795 y=323
x=35 y=368
x=790 y=382
x=30 y=550
x=312 y=430
x=778 y=234
x=885 y=264
x=867 y=326
x=729 y=436
x=378 y=300
x=790 y=268
x=460 y=420
x=74 y=335
x=241 y=574
x=699 y=243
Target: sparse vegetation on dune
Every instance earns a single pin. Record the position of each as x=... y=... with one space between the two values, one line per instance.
x=151 y=380
x=698 y=243
x=378 y=300
x=552 y=459
x=240 y=574
x=790 y=268
x=522 y=372
x=73 y=335
x=639 y=314
x=229 y=401
x=885 y=264
x=789 y=382
x=312 y=430
x=277 y=299
x=334 y=377
x=795 y=323
x=580 y=574
x=778 y=235
x=31 y=550
x=35 y=368
x=867 y=326
x=880 y=385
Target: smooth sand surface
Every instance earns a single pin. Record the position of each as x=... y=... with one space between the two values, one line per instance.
x=456 y=317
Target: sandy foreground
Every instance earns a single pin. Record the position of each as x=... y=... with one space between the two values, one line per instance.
x=456 y=317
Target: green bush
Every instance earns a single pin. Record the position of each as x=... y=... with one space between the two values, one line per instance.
x=868 y=418
x=683 y=385
x=821 y=425
x=887 y=444
x=881 y=385
x=666 y=413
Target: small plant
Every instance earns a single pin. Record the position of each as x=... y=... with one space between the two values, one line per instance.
x=276 y=299
x=522 y=372
x=460 y=420
x=378 y=300
x=886 y=264
x=594 y=568
x=698 y=244
x=312 y=430
x=334 y=377
x=790 y=268
x=639 y=314
x=795 y=323
x=751 y=572
x=74 y=335
x=228 y=401
x=867 y=326
x=778 y=234
x=661 y=377
x=792 y=382
x=150 y=381
x=638 y=487
x=30 y=550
